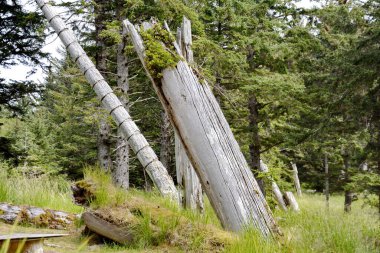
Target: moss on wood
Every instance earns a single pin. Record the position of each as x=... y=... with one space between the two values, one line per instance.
x=159 y=50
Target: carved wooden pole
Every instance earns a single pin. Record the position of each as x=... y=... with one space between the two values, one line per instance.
x=186 y=176
x=296 y=179
x=139 y=144
x=210 y=145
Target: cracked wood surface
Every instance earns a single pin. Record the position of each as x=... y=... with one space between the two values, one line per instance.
x=210 y=146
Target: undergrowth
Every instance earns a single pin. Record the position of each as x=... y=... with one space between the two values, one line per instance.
x=161 y=226
x=44 y=191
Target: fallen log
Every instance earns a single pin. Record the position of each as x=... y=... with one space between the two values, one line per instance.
x=106 y=229
x=204 y=131
x=36 y=216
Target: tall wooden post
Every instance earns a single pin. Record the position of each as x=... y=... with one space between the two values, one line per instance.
x=210 y=145
x=296 y=179
x=327 y=186
x=186 y=177
x=138 y=143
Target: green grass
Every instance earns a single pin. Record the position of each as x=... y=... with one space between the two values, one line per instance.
x=314 y=229
x=45 y=191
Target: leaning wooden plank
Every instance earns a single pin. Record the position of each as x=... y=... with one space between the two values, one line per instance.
x=137 y=141
x=186 y=177
x=209 y=142
x=36 y=216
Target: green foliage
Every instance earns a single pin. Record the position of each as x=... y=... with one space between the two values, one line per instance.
x=159 y=50
x=105 y=193
x=45 y=191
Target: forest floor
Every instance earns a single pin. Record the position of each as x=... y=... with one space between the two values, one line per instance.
x=314 y=229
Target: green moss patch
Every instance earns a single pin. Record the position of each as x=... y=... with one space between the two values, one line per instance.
x=159 y=50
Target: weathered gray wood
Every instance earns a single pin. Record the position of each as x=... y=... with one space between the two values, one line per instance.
x=291 y=201
x=139 y=145
x=187 y=179
x=36 y=216
x=275 y=189
x=120 y=173
x=327 y=185
x=107 y=229
x=296 y=179
x=210 y=146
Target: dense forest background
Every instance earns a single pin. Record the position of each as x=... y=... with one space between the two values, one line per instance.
x=296 y=85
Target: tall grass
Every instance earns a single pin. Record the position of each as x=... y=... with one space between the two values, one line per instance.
x=45 y=191
x=316 y=229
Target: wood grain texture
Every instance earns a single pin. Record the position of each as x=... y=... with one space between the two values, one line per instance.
x=296 y=179
x=187 y=179
x=210 y=146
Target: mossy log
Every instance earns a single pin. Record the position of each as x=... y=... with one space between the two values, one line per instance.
x=36 y=216
x=208 y=140
x=106 y=229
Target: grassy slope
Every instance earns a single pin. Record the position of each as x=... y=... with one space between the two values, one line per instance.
x=312 y=230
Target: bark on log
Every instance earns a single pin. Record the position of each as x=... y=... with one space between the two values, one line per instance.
x=107 y=229
x=296 y=179
x=275 y=189
x=291 y=201
x=210 y=146
x=187 y=179
x=139 y=144
x=36 y=216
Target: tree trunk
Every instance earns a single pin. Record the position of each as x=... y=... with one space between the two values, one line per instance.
x=137 y=141
x=120 y=173
x=186 y=177
x=166 y=132
x=36 y=216
x=327 y=186
x=255 y=146
x=296 y=179
x=103 y=141
x=210 y=146
x=347 y=193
